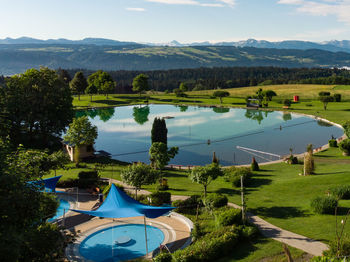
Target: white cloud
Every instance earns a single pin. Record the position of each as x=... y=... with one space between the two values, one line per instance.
x=338 y=8
x=221 y=3
x=136 y=9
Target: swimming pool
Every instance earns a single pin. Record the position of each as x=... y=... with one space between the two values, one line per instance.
x=199 y=131
x=63 y=207
x=102 y=245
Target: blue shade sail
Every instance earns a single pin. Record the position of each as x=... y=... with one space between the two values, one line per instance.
x=48 y=183
x=119 y=205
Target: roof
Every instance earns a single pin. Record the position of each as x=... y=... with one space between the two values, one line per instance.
x=119 y=205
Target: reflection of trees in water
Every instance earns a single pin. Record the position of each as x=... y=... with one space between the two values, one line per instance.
x=257 y=115
x=105 y=113
x=287 y=116
x=141 y=114
x=221 y=110
x=322 y=123
x=183 y=108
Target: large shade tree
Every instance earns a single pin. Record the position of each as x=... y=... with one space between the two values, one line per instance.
x=140 y=84
x=37 y=105
x=102 y=81
x=221 y=94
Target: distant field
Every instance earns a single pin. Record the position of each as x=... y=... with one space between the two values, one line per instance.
x=287 y=91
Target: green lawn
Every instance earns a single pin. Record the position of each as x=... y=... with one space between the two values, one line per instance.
x=277 y=193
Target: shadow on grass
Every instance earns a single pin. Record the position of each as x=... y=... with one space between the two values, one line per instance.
x=228 y=191
x=105 y=161
x=342 y=211
x=111 y=102
x=244 y=249
x=280 y=212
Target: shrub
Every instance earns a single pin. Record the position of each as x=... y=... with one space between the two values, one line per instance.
x=162 y=187
x=345 y=146
x=70 y=182
x=236 y=176
x=217 y=200
x=254 y=165
x=88 y=179
x=189 y=205
x=228 y=217
x=163 y=257
x=337 y=97
x=293 y=160
x=197 y=231
x=210 y=247
x=333 y=143
x=324 y=205
x=344 y=248
x=324 y=93
x=340 y=192
x=247 y=98
x=287 y=102
x=159 y=198
x=326 y=259
x=249 y=232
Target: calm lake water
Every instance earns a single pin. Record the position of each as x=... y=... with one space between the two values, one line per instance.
x=199 y=131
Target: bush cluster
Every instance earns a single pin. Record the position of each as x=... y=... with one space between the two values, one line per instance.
x=88 y=179
x=159 y=198
x=163 y=257
x=333 y=143
x=210 y=247
x=344 y=248
x=217 y=200
x=345 y=146
x=337 y=97
x=70 y=182
x=324 y=204
x=228 y=217
x=189 y=205
x=340 y=192
x=233 y=175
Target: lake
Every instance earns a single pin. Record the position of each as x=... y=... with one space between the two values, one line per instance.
x=235 y=135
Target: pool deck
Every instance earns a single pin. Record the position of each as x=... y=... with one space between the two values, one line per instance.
x=176 y=229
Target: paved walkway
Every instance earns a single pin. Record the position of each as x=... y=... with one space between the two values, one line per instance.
x=308 y=245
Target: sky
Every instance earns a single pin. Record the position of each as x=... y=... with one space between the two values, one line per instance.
x=161 y=21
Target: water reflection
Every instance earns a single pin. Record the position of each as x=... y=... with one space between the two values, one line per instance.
x=221 y=110
x=105 y=114
x=183 y=108
x=141 y=114
x=287 y=116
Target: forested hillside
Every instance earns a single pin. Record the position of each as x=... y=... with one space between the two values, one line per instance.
x=18 y=58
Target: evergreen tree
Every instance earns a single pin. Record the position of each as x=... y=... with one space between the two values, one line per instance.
x=78 y=84
x=159 y=131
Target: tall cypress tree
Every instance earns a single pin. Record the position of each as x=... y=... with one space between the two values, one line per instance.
x=159 y=131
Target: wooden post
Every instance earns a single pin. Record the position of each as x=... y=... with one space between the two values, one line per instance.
x=144 y=221
x=242 y=199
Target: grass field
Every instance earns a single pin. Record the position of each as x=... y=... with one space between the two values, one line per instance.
x=277 y=193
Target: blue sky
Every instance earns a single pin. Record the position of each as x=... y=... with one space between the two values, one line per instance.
x=182 y=20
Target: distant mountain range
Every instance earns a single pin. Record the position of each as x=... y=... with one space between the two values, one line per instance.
x=18 y=55
x=333 y=46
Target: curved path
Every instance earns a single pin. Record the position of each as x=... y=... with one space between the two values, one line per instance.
x=306 y=244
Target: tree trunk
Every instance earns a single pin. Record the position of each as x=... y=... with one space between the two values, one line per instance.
x=91 y=98
x=136 y=193
x=205 y=191
x=79 y=96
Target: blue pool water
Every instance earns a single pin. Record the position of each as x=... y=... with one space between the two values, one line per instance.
x=64 y=205
x=101 y=246
x=125 y=132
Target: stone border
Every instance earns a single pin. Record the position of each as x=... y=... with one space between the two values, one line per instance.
x=188 y=223
x=72 y=250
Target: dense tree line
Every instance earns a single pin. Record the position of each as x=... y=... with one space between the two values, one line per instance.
x=226 y=77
